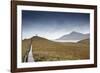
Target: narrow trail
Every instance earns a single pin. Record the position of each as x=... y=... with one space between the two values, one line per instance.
x=30 y=55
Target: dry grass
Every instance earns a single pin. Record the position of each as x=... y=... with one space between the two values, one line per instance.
x=46 y=50
x=25 y=46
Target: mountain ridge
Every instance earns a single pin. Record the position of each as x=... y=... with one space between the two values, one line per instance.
x=74 y=36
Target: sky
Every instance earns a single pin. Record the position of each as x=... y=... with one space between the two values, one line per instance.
x=52 y=25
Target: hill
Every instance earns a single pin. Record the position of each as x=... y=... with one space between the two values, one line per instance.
x=85 y=41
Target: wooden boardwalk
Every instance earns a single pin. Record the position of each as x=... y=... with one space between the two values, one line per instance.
x=30 y=55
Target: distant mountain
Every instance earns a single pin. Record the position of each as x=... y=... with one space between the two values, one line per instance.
x=74 y=36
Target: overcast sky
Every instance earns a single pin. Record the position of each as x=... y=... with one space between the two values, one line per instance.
x=53 y=25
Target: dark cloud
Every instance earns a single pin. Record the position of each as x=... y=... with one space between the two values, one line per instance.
x=53 y=23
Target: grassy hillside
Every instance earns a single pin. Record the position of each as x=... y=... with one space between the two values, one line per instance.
x=86 y=41
x=25 y=47
x=47 y=50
